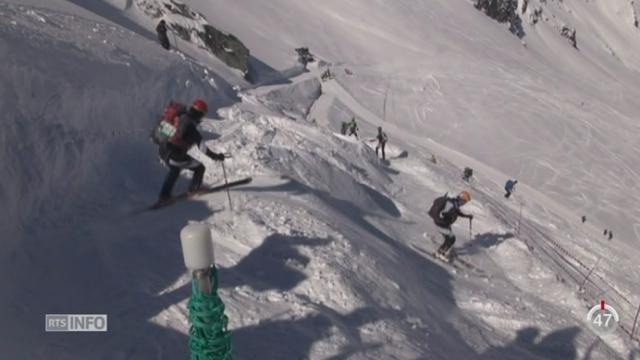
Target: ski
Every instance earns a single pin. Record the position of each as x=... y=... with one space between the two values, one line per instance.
x=454 y=259
x=437 y=257
x=203 y=191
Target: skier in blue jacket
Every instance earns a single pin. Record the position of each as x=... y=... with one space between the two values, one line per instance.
x=509 y=187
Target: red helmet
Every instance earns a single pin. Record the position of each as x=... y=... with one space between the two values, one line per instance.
x=200 y=105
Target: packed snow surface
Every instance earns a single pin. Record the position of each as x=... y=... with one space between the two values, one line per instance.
x=327 y=253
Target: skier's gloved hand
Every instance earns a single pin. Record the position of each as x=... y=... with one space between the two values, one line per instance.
x=215 y=156
x=218 y=157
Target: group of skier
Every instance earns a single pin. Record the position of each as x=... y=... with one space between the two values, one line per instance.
x=177 y=131
x=351 y=129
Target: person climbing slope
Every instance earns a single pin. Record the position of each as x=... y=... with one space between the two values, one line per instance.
x=382 y=141
x=353 y=127
x=444 y=212
x=510 y=187
x=467 y=174
x=163 y=38
x=175 y=134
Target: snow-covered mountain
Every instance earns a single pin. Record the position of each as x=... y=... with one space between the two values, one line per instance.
x=326 y=254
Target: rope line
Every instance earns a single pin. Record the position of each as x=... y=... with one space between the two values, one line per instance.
x=209 y=338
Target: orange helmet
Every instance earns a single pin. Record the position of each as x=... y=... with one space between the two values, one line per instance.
x=465 y=196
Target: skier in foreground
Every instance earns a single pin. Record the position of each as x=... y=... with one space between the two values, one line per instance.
x=445 y=212
x=173 y=151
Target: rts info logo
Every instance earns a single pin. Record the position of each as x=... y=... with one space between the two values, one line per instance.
x=75 y=323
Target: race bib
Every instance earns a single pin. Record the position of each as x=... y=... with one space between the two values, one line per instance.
x=166 y=129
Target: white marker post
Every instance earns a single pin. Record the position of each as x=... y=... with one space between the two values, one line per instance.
x=197 y=250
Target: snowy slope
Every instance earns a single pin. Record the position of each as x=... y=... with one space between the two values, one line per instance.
x=79 y=94
x=326 y=254
x=442 y=69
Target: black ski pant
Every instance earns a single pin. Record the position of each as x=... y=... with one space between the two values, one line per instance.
x=449 y=240
x=174 y=174
x=381 y=146
x=507 y=194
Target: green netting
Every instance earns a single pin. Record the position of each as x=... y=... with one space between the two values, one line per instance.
x=209 y=338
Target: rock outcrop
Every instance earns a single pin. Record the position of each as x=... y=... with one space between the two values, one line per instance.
x=193 y=27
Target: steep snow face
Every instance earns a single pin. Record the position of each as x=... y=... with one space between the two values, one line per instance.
x=67 y=120
x=442 y=69
x=78 y=98
x=360 y=236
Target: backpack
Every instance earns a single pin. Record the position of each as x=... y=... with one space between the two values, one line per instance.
x=437 y=207
x=166 y=128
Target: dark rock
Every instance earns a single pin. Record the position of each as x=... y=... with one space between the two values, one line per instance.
x=500 y=10
x=570 y=34
x=503 y=11
x=194 y=27
x=181 y=31
x=226 y=47
x=536 y=15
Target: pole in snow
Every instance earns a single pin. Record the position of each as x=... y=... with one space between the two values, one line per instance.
x=635 y=322
x=208 y=336
x=197 y=251
x=520 y=217
x=581 y=288
x=175 y=41
x=226 y=184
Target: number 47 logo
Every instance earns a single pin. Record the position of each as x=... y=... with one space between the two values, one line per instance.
x=603 y=319
x=598 y=319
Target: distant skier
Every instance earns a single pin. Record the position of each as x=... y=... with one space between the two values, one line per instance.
x=353 y=127
x=509 y=187
x=610 y=234
x=606 y=232
x=304 y=56
x=444 y=212
x=382 y=141
x=326 y=75
x=344 y=127
x=584 y=219
x=161 y=29
x=467 y=174
x=176 y=133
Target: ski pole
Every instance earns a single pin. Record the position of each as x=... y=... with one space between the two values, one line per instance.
x=470 y=230
x=175 y=40
x=226 y=185
x=635 y=322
